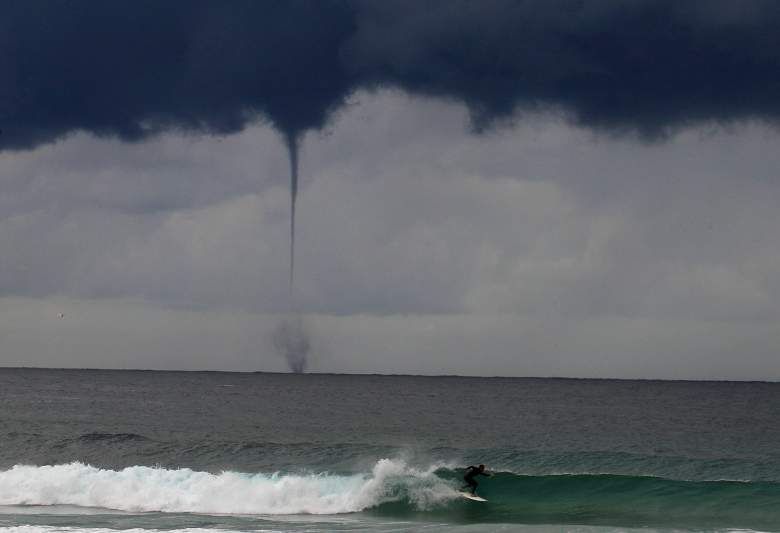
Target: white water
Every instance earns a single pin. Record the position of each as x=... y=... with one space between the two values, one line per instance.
x=144 y=489
x=54 y=529
x=516 y=528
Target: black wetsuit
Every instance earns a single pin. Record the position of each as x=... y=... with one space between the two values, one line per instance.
x=471 y=473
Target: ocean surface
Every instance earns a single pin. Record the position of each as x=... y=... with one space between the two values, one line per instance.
x=100 y=451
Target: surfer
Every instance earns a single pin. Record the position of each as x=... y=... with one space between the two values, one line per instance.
x=471 y=473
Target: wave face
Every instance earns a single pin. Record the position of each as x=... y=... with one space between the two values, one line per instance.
x=394 y=489
x=630 y=501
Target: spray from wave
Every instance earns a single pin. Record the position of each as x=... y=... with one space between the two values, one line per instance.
x=145 y=489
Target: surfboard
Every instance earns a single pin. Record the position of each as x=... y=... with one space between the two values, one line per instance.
x=472 y=497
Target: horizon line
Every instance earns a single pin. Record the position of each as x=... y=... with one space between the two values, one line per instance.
x=379 y=374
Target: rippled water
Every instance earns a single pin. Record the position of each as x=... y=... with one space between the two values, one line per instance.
x=104 y=450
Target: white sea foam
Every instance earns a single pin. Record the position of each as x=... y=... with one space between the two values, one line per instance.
x=56 y=529
x=516 y=528
x=143 y=489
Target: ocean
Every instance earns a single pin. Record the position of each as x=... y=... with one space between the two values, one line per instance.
x=143 y=451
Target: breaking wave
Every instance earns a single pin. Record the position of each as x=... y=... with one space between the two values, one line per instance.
x=393 y=489
x=144 y=489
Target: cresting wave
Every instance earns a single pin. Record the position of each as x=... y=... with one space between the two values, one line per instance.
x=144 y=489
x=394 y=489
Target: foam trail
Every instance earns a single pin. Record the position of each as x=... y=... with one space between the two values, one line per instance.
x=146 y=489
x=68 y=529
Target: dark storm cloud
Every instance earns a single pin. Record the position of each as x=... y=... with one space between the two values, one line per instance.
x=138 y=67
x=131 y=69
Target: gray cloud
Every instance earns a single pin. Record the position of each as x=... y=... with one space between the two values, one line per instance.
x=544 y=249
x=407 y=223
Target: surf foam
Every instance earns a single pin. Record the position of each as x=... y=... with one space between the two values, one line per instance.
x=144 y=489
x=67 y=529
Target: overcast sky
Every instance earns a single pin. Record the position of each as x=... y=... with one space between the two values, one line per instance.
x=437 y=234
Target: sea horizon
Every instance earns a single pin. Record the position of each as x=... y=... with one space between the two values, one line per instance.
x=319 y=373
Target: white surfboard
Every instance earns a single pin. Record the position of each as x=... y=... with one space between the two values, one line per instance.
x=472 y=497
